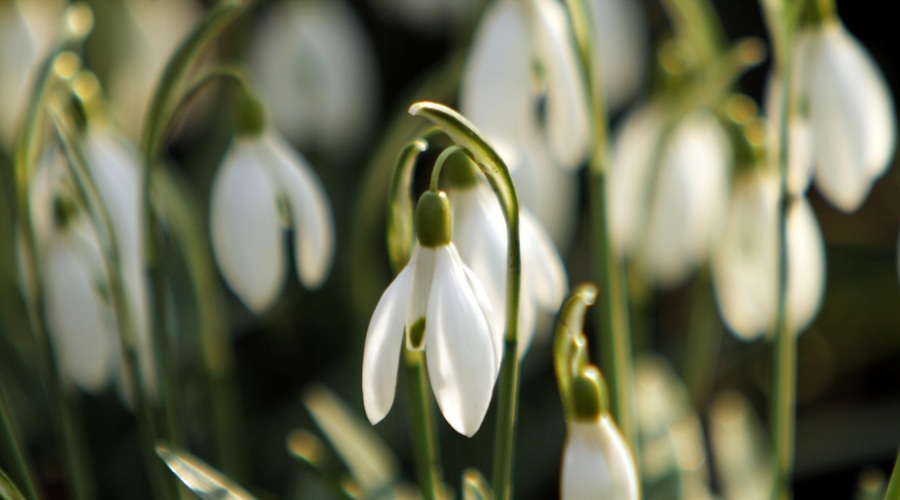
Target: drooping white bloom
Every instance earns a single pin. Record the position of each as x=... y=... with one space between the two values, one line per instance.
x=315 y=67
x=259 y=176
x=463 y=350
x=502 y=93
x=620 y=48
x=480 y=235
x=850 y=111
x=597 y=462
x=667 y=216
x=745 y=264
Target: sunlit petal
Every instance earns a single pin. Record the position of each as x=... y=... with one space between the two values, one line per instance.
x=460 y=352
x=246 y=230
x=384 y=339
x=806 y=265
x=597 y=463
x=547 y=281
x=422 y=262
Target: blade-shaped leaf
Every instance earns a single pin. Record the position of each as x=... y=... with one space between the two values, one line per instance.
x=203 y=480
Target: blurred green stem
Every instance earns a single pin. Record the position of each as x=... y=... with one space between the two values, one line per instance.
x=15 y=453
x=893 y=487
x=428 y=464
x=612 y=317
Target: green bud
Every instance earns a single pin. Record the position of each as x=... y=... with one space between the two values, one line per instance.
x=250 y=116
x=589 y=394
x=461 y=170
x=433 y=220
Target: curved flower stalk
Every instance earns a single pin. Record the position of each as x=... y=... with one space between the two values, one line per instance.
x=745 y=263
x=666 y=208
x=260 y=174
x=442 y=308
x=849 y=110
x=479 y=234
x=315 y=68
x=596 y=462
x=501 y=92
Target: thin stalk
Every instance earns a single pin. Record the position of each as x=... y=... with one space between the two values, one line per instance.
x=782 y=24
x=424 y=434
x=91 y=198
x=22 y=471
x=893 y=487
x=163 y=106
x=612 y=317
x=495 y=170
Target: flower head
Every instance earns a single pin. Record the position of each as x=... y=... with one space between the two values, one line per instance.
x=442 y=308
x=260 y=177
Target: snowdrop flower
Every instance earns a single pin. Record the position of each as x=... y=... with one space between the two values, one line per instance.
x=850 y=112
x=315 y=67
x=480 y=235
x=745 y=264
x=668 y=216
x=442 y=308
x=620 y=52
x=501 y=93
x=261 y=176
x=597 y=462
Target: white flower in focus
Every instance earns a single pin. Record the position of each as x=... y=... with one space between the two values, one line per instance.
x=745 y=264
x=315 y=67
x=667 y=217
x=262 y=186
x=597 y=462
x=522 y=60
x=480 y=234
x=443 y=309
x=850 y=110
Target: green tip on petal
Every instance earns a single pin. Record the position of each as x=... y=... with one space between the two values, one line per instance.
x=249 y=115
x=433 y=222
x=417 y=334
x=589 y=394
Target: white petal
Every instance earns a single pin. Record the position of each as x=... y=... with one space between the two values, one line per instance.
x=621 y=37
x=597 y=463
x=484 y=304
x=547 y=280
x=78 y=320
x=806 y=265
x=567 y=125
x=246 y=230
x=313 y=226
x=800 y=145
x=422 y=263
x=384 y=340
x=460 y=346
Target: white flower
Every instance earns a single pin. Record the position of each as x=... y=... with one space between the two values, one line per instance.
x=315 y=67
x=745 y=264
x=668 y=216
x=597 y=462
x=462 y=348
x=260 y=176
x=620 y=48
x=502 y=93
x=851 y=113
x=480 y=235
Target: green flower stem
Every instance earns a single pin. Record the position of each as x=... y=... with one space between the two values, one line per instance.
x=695 y=21
x=91 y=199
x=14 y=451
x=400 y=242
x=782 y=20
x=428 y=464
x=217 y=355
x=439 y=166
x=495 y=170
x=162 y=108
x=66 y=417
x=613 y=324
x=893 y=487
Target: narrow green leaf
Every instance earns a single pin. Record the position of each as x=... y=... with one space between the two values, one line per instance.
x=475 y=486
x=8 y=490
x=203 y=480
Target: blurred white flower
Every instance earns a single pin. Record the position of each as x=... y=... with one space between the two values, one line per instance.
x=745 y=263
x=479 y=231
x=521 y=87
x=667 y=216
x=27 y=31
x=850 y=112
x=597 y=462
x=436 y=293
x=315 y=67
x=620 y=48
x=263 y=186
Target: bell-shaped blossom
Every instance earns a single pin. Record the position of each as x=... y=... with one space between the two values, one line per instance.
x=536 y=120
x=745 y=263
x=620 y=48
x=463 y=350
x=262 y=186
x=480 y=235
x=597 y=463
x=850 y=111
x=315 y=67
x=666 y=209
